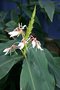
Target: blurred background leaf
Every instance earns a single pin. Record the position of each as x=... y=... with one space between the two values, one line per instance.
x=49 y=7
x=54 y=65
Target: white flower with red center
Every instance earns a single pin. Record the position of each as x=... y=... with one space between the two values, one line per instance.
x=17 y=31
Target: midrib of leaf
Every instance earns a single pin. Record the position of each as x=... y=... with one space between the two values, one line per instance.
x=30 y=74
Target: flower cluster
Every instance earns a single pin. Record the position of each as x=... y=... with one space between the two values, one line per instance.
x=16 y=32
x=35 y=43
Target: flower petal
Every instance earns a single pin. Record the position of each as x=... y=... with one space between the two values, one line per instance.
x=33 y=43
x=7 y=49
x=23 y=26
x=39 y=47
x=21 y=45
x=13 y=33
x=6 y=53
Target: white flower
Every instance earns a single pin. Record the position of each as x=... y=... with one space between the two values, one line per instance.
x=36 y=43
x=23 y=26
x=33 y=43
x=13 y=33
x=20 y=26
x=10 y=49
x=21 y=45
x=17 y=31
x=7 y=50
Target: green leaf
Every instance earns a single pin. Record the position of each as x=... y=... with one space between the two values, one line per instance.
x=14 y=15
x=35 y=74
x=6 y=63
x=2 y=16
x=54 y=64
x=3 y=37
x=49 y=8
x=1 y=26
x=11 y=25
x=30 y=26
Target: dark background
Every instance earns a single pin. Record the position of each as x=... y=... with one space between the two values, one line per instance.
x=52 y=29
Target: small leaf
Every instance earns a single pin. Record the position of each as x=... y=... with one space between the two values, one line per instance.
x=49 y=8
x=11 y=25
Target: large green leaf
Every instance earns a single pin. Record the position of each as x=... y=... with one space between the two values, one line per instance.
x=35 y=74
x=49 y=7
x=6 y=63
x=54 y=64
